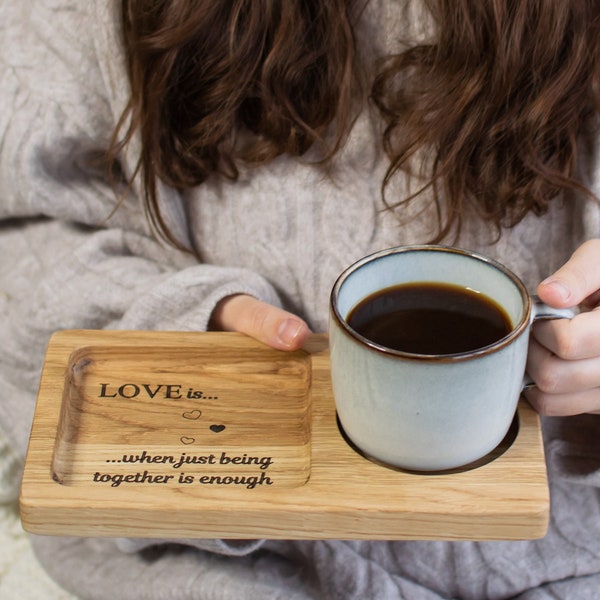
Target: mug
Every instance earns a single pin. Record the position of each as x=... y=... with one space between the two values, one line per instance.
x=429 y=411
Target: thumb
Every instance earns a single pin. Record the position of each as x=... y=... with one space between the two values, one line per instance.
x=576 y=280
x=269 y=324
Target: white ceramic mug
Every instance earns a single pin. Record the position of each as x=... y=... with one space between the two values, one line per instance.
x=429 y=412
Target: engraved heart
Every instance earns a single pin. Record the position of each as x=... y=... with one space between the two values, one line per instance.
x=187 y=440
x=192 y=414
x=217 y=428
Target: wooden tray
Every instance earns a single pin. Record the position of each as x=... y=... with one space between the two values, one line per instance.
x=206 y=435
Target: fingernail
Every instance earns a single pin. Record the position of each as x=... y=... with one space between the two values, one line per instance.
x=561 y=289
x=288 y=331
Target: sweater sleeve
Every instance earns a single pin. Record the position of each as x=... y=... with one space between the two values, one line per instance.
x=60 y=96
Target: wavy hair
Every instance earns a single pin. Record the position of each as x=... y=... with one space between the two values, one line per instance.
x=217 y=84
x=491 y=109
x=499 y=100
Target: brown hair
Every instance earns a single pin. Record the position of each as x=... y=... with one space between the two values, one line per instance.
x=217 y=83
x=500 y=99
x=494 y=104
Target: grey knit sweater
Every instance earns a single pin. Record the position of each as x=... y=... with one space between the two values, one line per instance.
x=281 y=233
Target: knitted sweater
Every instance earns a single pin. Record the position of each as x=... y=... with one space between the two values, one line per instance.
x=281 y=233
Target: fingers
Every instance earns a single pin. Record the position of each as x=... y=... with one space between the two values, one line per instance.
x=269 y=324
x=562 y=388
x=553 y=375
x=564 y=354
x=576 y=280
x=571 y=339
x=564 y=405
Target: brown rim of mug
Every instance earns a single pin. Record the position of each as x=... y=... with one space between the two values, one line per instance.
x=516 y=331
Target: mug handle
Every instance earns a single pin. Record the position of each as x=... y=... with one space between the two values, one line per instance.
x=540 y=310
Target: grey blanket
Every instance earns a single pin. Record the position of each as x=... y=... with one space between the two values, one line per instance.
x=69 y=261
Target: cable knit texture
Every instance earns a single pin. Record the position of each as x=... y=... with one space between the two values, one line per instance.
x=281 y=233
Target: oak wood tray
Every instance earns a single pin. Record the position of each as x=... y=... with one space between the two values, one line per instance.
x=206 y=435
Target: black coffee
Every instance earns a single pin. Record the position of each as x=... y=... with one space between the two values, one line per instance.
x=430 y=318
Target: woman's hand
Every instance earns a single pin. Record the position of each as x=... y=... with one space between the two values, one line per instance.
x=273 y=326
x=564 y=354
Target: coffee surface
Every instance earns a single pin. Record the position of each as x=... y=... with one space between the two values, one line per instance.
x=430 y=318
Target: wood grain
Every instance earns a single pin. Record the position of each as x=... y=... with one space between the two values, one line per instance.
x=100 y=464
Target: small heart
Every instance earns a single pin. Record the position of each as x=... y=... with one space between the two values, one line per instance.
x=187 y=440
x=217 y=428
x=192 y=414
